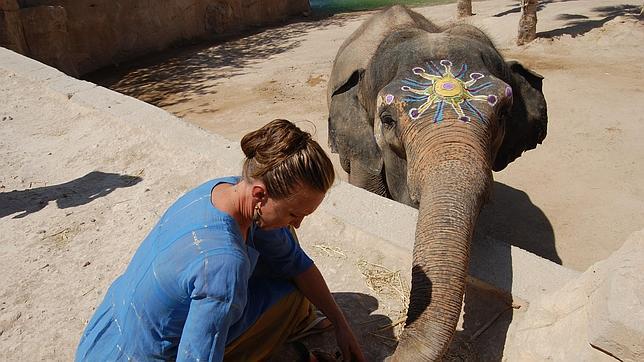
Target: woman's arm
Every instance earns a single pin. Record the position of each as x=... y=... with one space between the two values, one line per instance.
x=312 y=285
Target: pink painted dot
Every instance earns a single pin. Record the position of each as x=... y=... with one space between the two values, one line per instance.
x=389 y=98
x=413 y=113
x=508 y=91
x=448 y=86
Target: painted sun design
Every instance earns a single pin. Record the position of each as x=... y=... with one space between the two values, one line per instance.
x=445 y=88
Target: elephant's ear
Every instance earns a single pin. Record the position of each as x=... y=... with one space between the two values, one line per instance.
x=527 y=122
x=351 y=127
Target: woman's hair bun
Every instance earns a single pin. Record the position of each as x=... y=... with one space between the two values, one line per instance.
x=276 y=141
x=250 y=142
x=282 y=155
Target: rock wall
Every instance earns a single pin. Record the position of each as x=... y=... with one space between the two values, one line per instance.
x=595 y=317
x=79 y=36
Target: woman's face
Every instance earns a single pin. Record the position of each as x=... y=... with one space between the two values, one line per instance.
x=291 y=210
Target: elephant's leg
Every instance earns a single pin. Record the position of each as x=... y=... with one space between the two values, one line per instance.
x=362 y=177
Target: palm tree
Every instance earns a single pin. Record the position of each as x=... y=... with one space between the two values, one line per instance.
x=464 y=8
x=528 y=22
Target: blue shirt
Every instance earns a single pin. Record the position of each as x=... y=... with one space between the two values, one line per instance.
x=193 y=286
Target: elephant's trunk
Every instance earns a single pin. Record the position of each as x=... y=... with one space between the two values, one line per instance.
x=451 y=192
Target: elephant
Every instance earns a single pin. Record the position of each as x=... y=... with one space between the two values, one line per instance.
x=423 y=114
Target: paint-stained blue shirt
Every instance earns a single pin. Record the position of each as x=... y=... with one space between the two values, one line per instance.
x=192 y=287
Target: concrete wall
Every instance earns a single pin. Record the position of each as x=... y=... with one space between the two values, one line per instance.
x=78 y=36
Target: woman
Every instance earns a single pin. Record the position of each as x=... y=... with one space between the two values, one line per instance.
x=221 y=276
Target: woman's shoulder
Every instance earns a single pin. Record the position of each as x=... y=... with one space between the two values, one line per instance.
x=225 y=179
x=206 y=187
x=196 y=203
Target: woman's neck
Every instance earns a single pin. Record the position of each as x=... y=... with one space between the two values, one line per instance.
x=236 y=201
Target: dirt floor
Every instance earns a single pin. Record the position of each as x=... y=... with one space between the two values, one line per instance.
x=573 y=200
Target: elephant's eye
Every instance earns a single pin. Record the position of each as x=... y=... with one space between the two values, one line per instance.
x=387 y=120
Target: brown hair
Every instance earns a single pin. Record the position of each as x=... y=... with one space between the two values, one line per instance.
x=283 y=157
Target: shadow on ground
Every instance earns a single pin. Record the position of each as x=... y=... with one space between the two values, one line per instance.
x=481 y=334
x=578 y=24
x=511 y=217
x=581 y=24
x=69 y=194
x=514 y=9
x=372 y=330
x=487 y=317
x=485 y=321
x=179 y=75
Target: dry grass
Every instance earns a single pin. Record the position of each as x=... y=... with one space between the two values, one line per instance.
x=63 y=237
x=330 y=250
x=383 y=281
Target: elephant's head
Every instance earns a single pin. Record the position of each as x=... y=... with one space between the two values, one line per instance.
x=444 y=110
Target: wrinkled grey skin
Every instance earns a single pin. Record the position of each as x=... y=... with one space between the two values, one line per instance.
x=442 y=168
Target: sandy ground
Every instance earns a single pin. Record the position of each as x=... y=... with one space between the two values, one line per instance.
x=573 y=200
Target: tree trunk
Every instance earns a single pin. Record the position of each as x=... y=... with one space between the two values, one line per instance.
x=528 y=22
x=464 y=8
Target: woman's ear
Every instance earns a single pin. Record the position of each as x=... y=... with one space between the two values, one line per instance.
x=527 y=123
x=259 y=193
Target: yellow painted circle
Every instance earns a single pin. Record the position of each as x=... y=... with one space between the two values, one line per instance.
x=448 y=87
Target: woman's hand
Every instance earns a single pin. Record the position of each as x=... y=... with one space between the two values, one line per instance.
x=348 y=343
x=312 y=285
